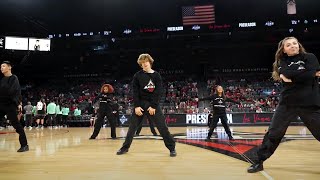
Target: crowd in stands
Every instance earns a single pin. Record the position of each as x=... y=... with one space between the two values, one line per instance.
x=77 y=96
x=179 y=96
x=254 y=95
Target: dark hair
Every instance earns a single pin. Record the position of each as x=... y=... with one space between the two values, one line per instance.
x=216 y=91
x=7 y=62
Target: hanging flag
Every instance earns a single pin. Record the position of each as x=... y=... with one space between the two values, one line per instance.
x=195 y=15
x=291 y=7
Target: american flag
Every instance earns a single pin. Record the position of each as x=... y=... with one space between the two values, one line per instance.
x=195 y=15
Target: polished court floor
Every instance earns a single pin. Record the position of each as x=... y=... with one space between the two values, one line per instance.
x=66 y=153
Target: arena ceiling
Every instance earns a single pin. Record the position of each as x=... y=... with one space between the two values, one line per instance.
x=45 y=16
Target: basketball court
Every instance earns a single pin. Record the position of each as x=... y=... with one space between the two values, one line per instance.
x=67 y=153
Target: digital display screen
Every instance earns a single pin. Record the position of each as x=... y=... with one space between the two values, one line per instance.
x=39 y=44
x=16 y=43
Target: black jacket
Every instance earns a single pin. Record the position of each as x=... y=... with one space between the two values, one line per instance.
x=218 y=103
x=10 y=90
x=106 y=100
x=304 y=88
x=147 y=87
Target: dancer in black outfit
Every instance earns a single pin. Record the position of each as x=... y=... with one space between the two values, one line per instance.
x=10 y=99
x=147 y=90
x=106 y=108
x=299 y=72
x=219 y=111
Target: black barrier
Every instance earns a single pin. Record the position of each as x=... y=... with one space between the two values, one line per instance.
x=171 y=120
x=251 y=118
x=234 y=118
x=201 y=119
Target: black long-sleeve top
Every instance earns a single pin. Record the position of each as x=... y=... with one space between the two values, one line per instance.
x=10 y=90
x=147 y=87
x=304 y=88
x=106 y=99
x=218 y=103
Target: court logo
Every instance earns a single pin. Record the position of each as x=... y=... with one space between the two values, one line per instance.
x=123 y=119
x=244 y=147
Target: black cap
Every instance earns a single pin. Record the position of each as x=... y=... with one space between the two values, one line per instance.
x=7 y=62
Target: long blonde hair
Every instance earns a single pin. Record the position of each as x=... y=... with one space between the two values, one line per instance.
x=280 y=54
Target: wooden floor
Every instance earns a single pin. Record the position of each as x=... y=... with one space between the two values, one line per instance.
x=66 y=153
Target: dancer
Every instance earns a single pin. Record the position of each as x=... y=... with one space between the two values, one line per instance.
x=299 y=72
x=147 y=90
x=10 y=99
x=219 y=111
x=106 y=108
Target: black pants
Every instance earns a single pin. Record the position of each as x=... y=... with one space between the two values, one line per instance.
x=21 y=119
x=158 y=119
x=214 y=123
x=102 y=112
x=3 y=122
x=11 y=112
x=52 y=120
x=210 y=117
x=280 y=122
x=151 y=127
x=59 y=119
x=65 y=120
x=118 y=123
x=28 y=120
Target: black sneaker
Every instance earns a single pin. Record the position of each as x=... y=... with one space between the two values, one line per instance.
x=122 y=151
x=23 y=149
x=173 y=153
x=231 y=138
x=92 y=138
x=208 y=139
x=255 y=167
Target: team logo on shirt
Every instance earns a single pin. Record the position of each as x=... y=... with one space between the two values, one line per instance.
x=300 y=63
x=150 y=86
x=296 y=63
x=301 y=67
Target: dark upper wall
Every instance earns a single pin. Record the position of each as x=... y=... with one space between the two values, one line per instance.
x=83 y=15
